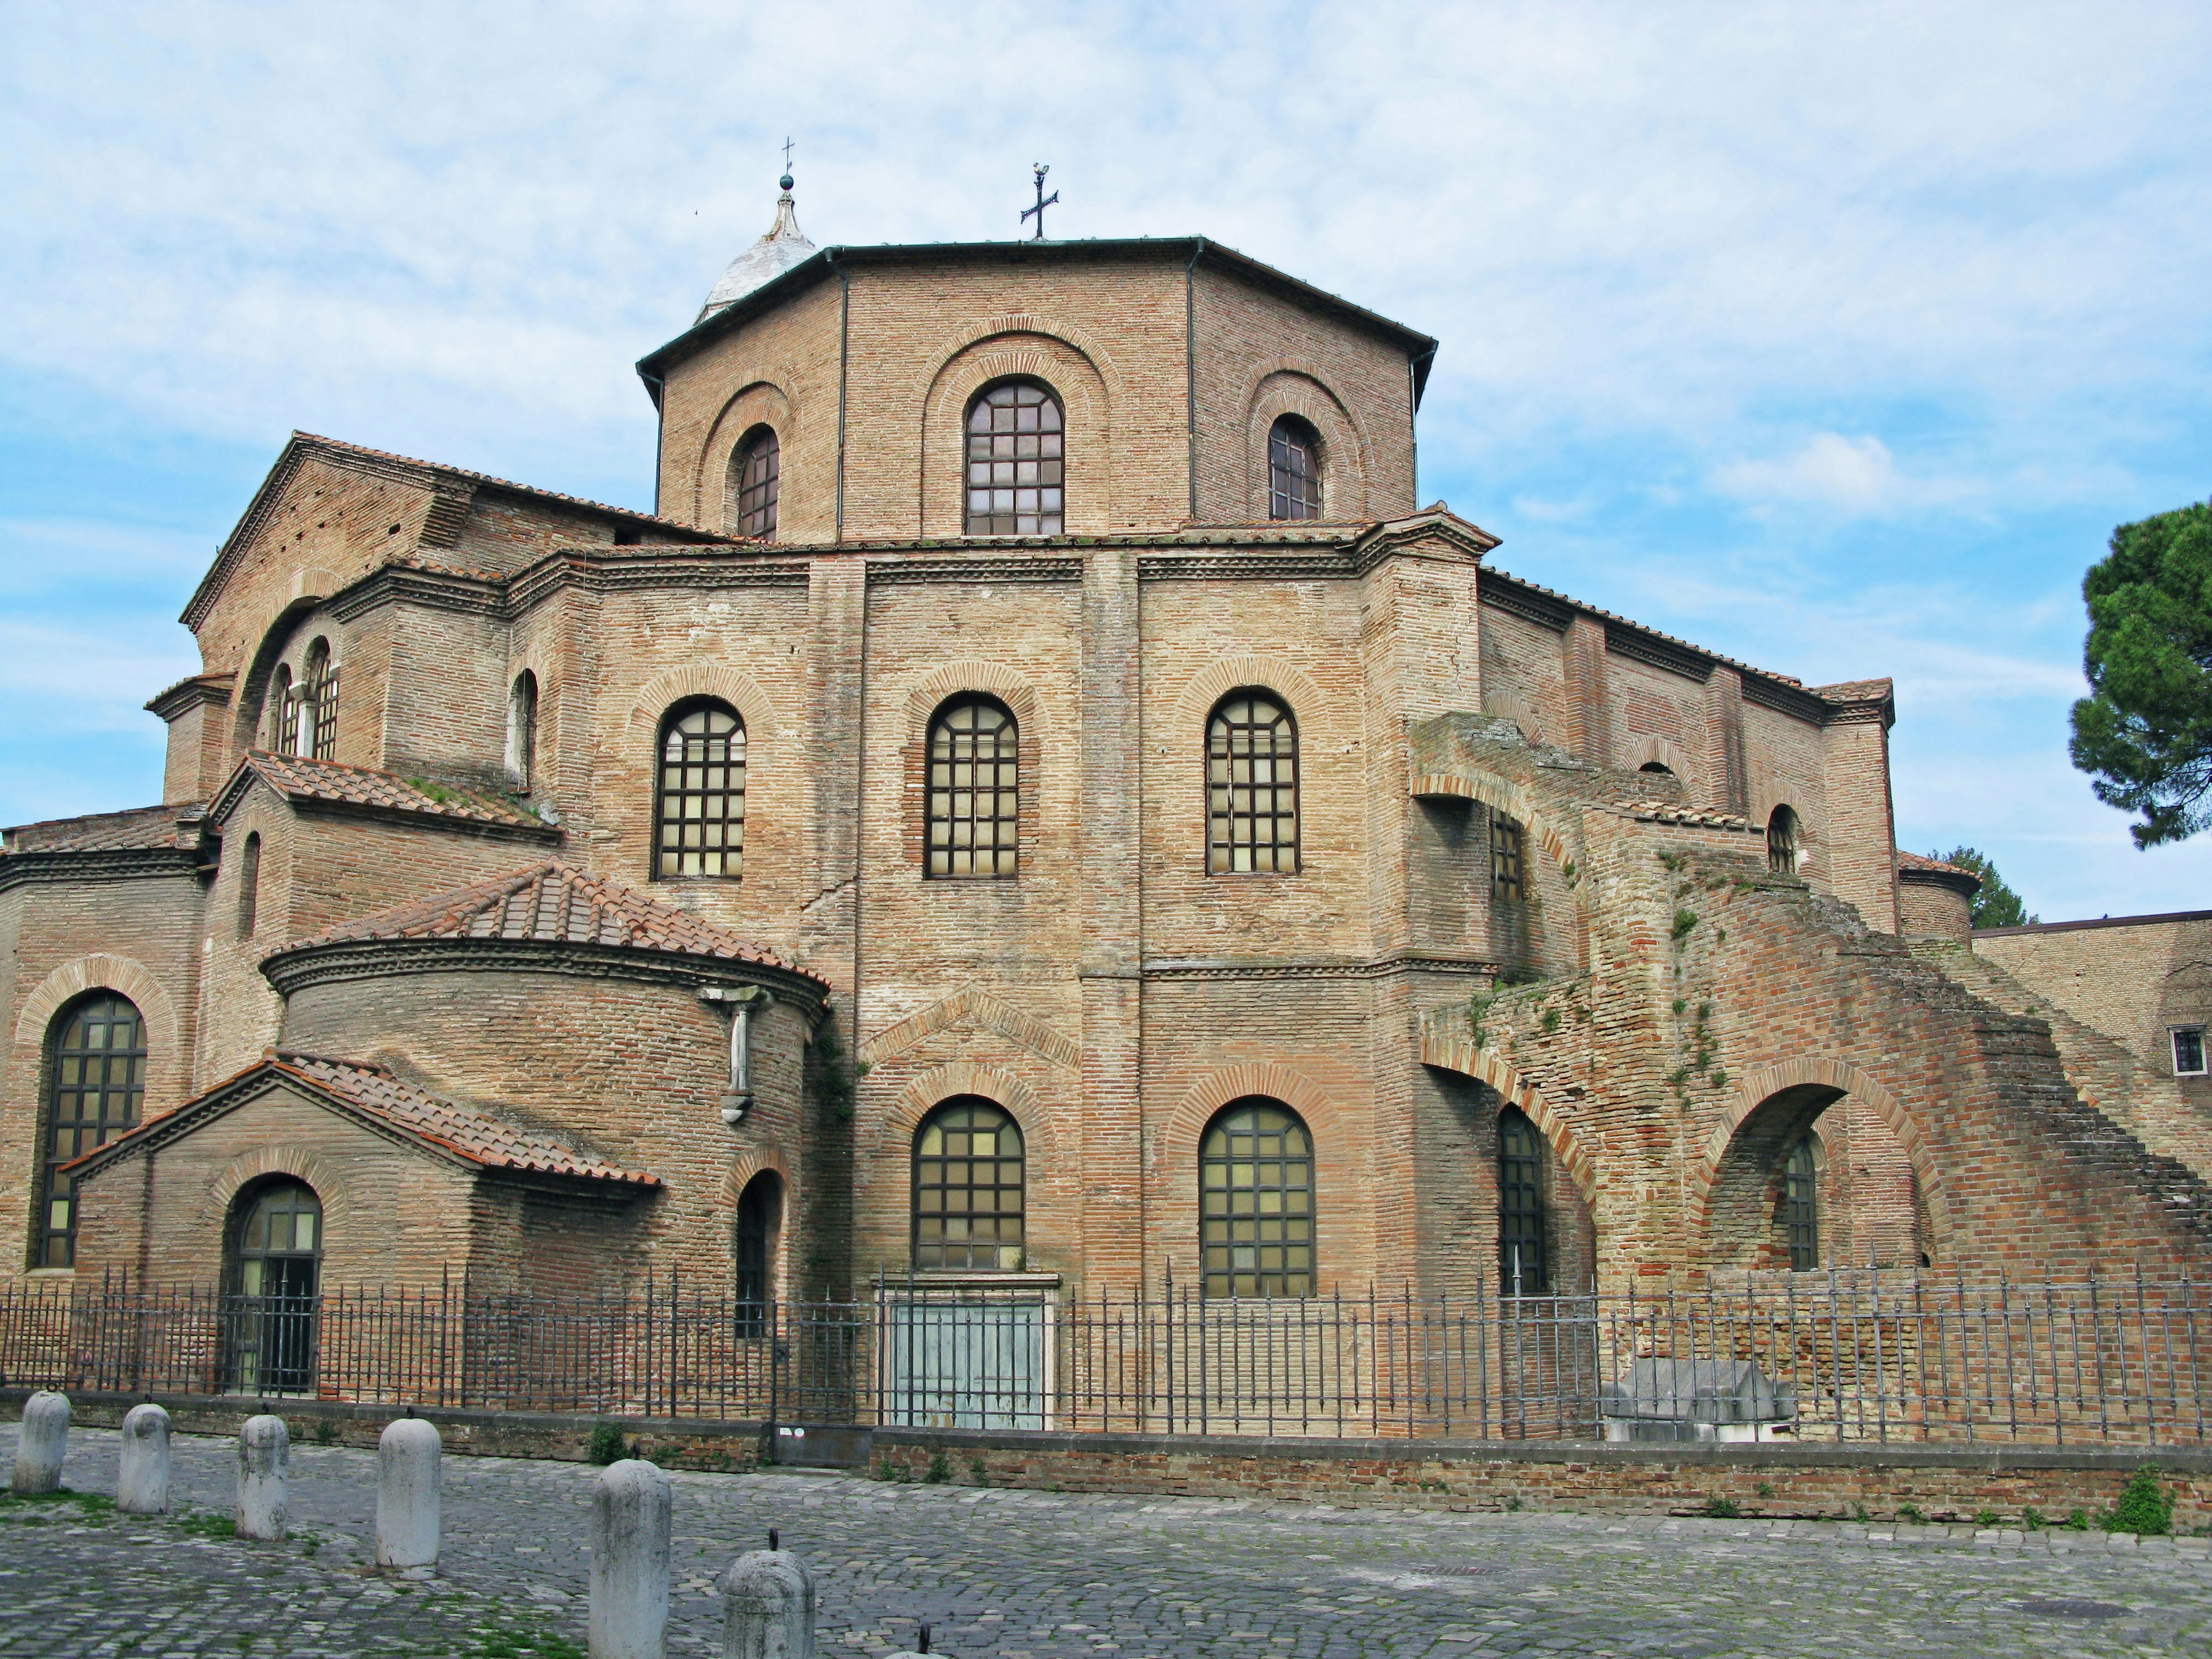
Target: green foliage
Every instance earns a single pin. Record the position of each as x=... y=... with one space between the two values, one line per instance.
x=206 y=1523
x=1910 y=1513
x=940 y=1470
x=2144 y=734
x=1985 y=1517
x=977 y=1472
x=1723 y=1509
x=1513 y=1504
x=2076 y=1521
x=2145 y=1507
x=1997 y=905
x=1551 y=1021
x=609 y=1445
x=520 y=1635
x=1684 y=921
x=326 y=1431
x=2032 y=1518
x=834 y=1072
x=897 y=1474
x=1767 y=1489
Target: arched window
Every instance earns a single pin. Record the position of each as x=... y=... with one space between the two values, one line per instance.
x=699 y=807
x=522 y=729
x=760 y=1219
x=1251 y=785
x=316 y=701
x=1801 y=1206
x=968 y=1188
x=975 y=797
x=280 y=713
x=275 y=1274
x=249 y=885
x=96 y=1081
x=1781 y=842
x=1519 y=1205
x=756 y=468
x=1293 y=469
x=1016 y=466
x=1256 y=1202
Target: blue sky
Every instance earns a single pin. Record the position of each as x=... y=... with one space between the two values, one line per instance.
x=1833 y=337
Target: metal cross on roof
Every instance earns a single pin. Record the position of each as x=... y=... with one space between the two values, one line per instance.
x=1044 y=201
x=787 y=154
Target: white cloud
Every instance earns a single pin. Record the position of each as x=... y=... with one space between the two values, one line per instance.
x=1852 y=477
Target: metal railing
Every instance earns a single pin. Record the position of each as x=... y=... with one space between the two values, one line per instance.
x=1839 y=1356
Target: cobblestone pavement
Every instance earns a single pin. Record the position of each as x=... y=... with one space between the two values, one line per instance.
x=1022 y=1575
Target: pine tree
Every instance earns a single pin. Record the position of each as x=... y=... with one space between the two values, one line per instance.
x=1997 y=905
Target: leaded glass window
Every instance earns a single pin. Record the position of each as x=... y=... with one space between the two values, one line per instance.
x=968 y=1171
x=96 y=1082
x=1782 y=842
x=1251 y=786
x=276 y=1251
x=1255 y=1181
x=1016 y=466
x=699 y=806
x=1520 y=1205
x=1506 y=874
x=974 y=798
x=755 y=482
x=1293 y=469
x=1801 y=1207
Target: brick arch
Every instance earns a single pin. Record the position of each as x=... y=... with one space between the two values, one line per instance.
x=1461 y=1055
x=311 y=588
x=300 y=1163
x=927 y=695
x=1033 y=323
x=1218 y=678
x=1817 y=1081
x=1669 y=753
x=992 y=1012
x=1296 y=385
x=740 y=691
x=1491 y=789
x=933 y=1088
x=1063 y=359
x=1179 y=1135
x=1812 y=845
x=1512 y=706
x=103 y=971
x=777 y=410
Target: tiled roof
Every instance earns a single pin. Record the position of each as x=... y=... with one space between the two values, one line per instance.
x=298 y=778
x=1645 y=628
x=1854 y=691
x=142 y=827
x=1661 y=811
x=1915 y=862
x=555 y=904
x=476 y=1135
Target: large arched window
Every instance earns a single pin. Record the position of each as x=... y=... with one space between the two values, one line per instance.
x=760 y=1219
x=96 y=1082
x=1519 y=1205
x=1251 y=785
x=974 y=796
x=316 y=700
x=522 y=729
x=1293 y=469
x=699 y=803
x=1782 y=838
x=275 y=1274
x=1801 y=1206
x=755 y=470
x=968 y=1173
x=1016 y=464
x=1255 y=1186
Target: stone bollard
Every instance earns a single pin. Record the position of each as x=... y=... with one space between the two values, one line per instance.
x=407 y=1494
x=768 y=1606
x=264 y=1458
x=630 y=1509
x=141 y=1476
x=41 y=1443
x=920 y=1648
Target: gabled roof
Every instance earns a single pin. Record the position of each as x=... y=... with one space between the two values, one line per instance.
x=373 y=1094
x=175 y=826
x=552 y=904
x=356 y=788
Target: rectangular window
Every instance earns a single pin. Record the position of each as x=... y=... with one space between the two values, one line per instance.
x=1504 y=856
x=2189 y=1051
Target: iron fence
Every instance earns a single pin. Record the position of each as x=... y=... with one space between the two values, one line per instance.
x=1839 y=1356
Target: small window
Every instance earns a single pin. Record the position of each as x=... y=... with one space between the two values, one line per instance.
x=975 y=809
x=2189 y=1051
x=96 y=1081
x=315 y=705
x=1506 y=874
x=522 y=730
x=1520 y=1205
x=1801 y=1207
x=1251 y=786
x=1255 y=1188
x=968 y=1178
x=276 y=1253
x=1782 y=837
x=1016 y=466
x=699 y=807
x=1293 y=469
x=754 y=471
x=249 y=885
x=278 y=706
x=1656 y=769
x=760 y=1218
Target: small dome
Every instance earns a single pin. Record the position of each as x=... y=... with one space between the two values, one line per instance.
x=784 y=247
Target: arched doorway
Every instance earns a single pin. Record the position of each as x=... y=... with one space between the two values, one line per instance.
x=275 y=1249
x=759 y=1228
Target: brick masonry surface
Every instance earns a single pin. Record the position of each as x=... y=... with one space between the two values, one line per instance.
x=1037 y=1575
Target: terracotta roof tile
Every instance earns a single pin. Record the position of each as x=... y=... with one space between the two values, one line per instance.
x=140 y=828
x=1854 y=691
x=556 y=904
x=300 y=779
x=1662 y=812
x=1600 y=612
x=1914 y=862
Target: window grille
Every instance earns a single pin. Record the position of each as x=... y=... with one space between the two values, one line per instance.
x=1505 y=848
x=1801 y=1207
x=968 y=1173
x=1251 y=786
x=1256 y=1202
x=2189 y=1051
x=96 y=1083
x=975 y=818
x=276 y=1253
x=1015 y=466
x=315 y=704
x=755 y=471
x=1520 y=1205
x=249 y=885
x=759 y=1209
x=1781 y=842
x=699 y=808
x=1293 y=469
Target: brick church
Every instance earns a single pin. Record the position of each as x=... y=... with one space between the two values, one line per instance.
x=1041 y=801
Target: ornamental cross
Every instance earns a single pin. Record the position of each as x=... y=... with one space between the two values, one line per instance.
x=786 y=155
x=1044 y=201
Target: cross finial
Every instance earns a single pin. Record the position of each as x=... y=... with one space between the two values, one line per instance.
x=786 y=180
x=1044 y=201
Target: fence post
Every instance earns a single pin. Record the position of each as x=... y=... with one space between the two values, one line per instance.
x=41 y=1443
x=409 y=1456
x=631 y=1505
x=142 y=1474
x=264 y=1457
x=768 y=1606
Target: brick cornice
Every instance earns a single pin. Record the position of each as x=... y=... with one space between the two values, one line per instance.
x=188 y=694
x=1166 y=969
x=114 y=864
x=289 y=970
